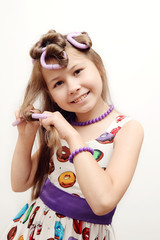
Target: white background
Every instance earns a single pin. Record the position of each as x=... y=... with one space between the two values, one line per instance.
x=126 y=34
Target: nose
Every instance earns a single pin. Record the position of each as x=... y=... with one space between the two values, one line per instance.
x=73 y=86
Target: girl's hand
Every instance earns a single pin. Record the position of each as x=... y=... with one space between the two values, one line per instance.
x=27 y=128
x=65 y=130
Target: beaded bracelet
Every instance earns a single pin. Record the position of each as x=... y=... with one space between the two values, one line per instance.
x=84 y=149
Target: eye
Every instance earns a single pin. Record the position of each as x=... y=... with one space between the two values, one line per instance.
x=59 y=83
x=78 y=71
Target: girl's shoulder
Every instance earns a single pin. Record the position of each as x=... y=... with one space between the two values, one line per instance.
x=127 y=128
x=118 y=120
x=123 y=125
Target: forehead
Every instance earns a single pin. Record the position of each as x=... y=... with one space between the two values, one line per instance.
x=75 y=55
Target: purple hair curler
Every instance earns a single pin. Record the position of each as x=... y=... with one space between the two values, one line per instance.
x=15 y=123
x=49 y=66
x=74 y=42
x=40 y=115
x=33 y=116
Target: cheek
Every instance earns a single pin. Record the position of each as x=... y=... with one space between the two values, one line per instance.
x=94 y=77
x=96 y=83
x=59 y=98
x=52 y=96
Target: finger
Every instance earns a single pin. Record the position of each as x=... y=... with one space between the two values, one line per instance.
x=29 y=107
x=47 y=123
x=19 y=118
x=35 y=111
x=27 y=113
x=48 y=113
x=46 y=126
x=17 y=114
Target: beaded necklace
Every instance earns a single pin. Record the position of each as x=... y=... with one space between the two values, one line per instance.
x=93 y=120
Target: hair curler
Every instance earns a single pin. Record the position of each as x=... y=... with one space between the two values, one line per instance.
x=32 y=117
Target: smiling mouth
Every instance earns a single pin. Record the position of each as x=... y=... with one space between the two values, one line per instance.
x=80 y=98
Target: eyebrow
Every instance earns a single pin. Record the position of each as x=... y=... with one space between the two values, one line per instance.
x=54 y=79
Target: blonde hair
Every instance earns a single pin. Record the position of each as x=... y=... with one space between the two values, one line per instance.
x=55 y=44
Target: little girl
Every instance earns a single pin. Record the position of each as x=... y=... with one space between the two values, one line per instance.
x=87 y=151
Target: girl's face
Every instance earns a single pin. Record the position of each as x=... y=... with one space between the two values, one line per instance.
x=76 y=88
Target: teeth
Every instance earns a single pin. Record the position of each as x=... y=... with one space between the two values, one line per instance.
x=81 y=98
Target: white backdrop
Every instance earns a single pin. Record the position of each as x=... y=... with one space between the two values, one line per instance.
x=126 y=34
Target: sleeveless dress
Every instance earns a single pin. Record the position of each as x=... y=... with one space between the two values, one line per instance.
x=38 y=222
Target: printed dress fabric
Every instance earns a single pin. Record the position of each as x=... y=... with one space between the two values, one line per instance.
x=38 y=222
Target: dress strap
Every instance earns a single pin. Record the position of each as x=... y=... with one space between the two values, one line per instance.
x=118 y=123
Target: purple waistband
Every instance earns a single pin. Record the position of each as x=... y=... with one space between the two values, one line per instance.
x=70 y=205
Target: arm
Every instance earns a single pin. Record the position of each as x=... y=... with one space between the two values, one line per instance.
x=24 y=166
x=104 y=189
